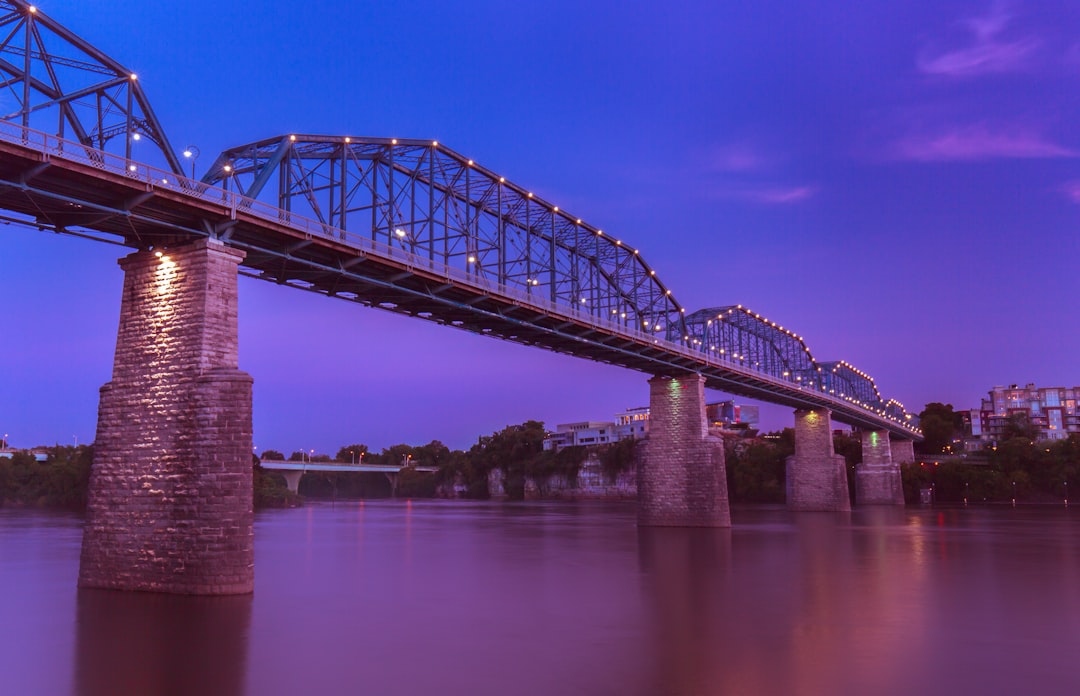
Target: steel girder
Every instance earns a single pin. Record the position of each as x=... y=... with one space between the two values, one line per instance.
x=61 y=84
x=742 y=337
x=422 y=197
x=495 y=252
x=847 y=381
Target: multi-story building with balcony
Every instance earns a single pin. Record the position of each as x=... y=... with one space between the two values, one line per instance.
x=1053 y=410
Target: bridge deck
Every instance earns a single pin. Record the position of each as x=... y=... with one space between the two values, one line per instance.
x=67 y=187
x=334 y=466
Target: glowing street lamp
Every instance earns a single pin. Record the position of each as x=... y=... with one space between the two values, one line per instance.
x=192 y=153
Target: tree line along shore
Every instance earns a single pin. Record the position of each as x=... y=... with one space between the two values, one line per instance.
x=1019 y=467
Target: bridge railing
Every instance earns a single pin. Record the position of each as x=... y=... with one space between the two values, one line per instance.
x=235 y=203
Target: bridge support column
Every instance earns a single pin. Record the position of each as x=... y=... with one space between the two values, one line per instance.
x=292 y=480
x=682 y=481
x=877 y=479
x=170 y=501
x=903 y=451
x=816 y=474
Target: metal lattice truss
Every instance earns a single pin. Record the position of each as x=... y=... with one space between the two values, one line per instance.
x=55 y=82
x=846 y=380
x=742 y=337
x=422 y=197
x=405 y=225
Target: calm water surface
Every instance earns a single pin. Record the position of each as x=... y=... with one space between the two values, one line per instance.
x=563 y=598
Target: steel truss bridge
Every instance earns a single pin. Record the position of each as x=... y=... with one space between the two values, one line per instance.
x=408 y=226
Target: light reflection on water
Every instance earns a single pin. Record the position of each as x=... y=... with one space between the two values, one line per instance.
x=436 y=597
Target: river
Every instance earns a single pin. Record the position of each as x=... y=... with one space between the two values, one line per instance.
x=441 y=597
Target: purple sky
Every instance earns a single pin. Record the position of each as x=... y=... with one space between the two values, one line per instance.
x=897 y=182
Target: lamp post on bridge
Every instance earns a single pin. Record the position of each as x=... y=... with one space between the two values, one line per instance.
x=192 y=153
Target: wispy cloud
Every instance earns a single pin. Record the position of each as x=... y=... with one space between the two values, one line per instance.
x=770 y=195
x=987 y=50
x=1071 y=190
x=978 y=143
x=738 y=157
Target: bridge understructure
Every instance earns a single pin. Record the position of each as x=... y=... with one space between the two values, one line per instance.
x=292 y=472
x=407 y=226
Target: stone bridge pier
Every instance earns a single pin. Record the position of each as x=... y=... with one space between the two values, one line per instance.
x=877 y=479
x=682 y=481
x=816 y=474
x=170 y=501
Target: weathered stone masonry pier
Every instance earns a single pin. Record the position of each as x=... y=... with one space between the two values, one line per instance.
x=170 y=506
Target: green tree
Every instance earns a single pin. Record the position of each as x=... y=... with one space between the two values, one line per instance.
x=940 y=426
x=351 y=453
x=512 y=449
x=269 y=490
x=618 y=457
x=272 y=456
x=1019 y=425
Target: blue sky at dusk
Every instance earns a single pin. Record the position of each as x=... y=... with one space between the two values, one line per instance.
x=897 y=182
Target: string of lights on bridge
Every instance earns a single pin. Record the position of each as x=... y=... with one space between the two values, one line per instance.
x=817 y=385
x=641 y=300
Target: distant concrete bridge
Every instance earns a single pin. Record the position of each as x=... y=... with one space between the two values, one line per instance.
x=294 y=471
x=408 y=226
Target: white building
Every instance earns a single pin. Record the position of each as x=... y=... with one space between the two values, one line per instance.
x=580 y=434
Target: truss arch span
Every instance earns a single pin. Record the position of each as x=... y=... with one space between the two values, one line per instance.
x=424 y=198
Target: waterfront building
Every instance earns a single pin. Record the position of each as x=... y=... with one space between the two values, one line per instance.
x=579 y=434
x=633 y=424
x=1050 y=409
x=730 y=415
